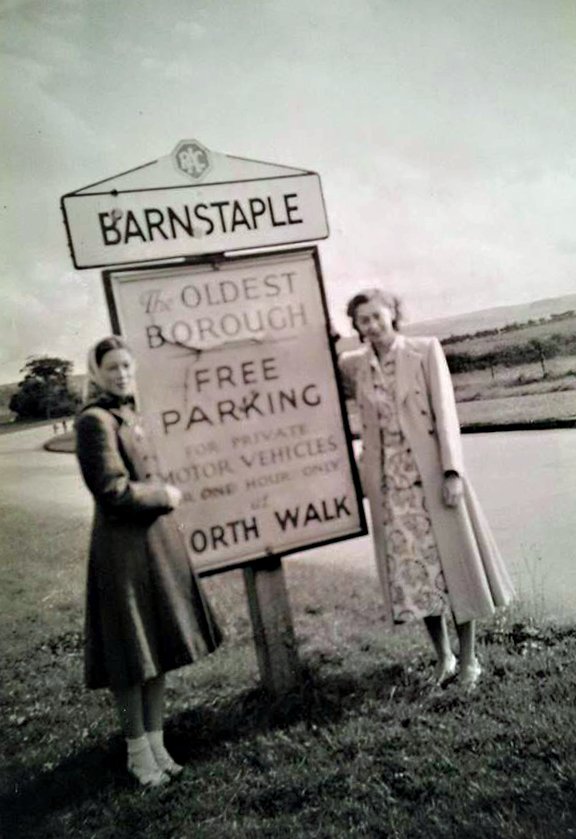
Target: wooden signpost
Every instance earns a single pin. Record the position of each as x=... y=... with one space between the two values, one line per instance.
x=236 y=376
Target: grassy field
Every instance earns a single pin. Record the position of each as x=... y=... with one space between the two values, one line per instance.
x=367 y=748
x=518 y=395
x=522 y=393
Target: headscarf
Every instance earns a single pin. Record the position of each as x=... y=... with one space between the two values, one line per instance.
x=94 y=387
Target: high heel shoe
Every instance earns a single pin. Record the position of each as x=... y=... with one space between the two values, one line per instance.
x=445 y=671
x=169 y=766
x=470 y=675
x=148 y=776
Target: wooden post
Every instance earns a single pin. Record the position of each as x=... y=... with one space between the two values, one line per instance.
x=272 y=625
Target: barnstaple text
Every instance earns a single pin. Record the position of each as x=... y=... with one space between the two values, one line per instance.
x=150 y=224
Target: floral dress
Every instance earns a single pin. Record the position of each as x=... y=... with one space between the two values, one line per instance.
x=417 y=584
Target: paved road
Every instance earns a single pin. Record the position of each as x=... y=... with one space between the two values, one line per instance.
x=526 y=481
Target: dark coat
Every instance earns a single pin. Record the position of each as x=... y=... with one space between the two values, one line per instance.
x=145 y=611
x=474 y=571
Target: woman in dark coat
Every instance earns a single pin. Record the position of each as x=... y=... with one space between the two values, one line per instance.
x=145 y=611
x=434 y=549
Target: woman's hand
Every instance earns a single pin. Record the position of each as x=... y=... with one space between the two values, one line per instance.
x=452 y=489
x=174 y=495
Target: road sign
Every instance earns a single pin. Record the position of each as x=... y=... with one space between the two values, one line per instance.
x=236 y=380
x=189 y=203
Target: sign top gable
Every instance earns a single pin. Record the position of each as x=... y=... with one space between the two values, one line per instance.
x=165 y=173
x=189 y=203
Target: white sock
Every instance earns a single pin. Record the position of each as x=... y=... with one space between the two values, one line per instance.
x=141 y=761
x=137 y=745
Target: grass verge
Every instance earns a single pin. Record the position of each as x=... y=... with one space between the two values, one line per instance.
x=366 y=749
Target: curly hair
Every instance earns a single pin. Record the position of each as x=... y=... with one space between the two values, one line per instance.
x=385 y=298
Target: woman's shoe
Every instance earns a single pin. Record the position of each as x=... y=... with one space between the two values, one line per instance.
x=148 y=777
x=469 y=675
x=169 y=766
x=445 y=671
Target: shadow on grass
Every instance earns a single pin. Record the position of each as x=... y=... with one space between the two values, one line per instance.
x=194 y=737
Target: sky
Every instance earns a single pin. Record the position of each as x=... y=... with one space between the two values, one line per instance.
x=443 y=133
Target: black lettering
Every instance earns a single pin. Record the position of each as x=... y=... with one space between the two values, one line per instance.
x=227 y=408
x=311 y=514
x=269 y=369
x=198 y=415
x=174 y=219
x=250 y=284
x=133 y=229
x=296 y=314
x=206 y=325
x=311 y=400
x=238 y=217
x=289 y=275
x=276 y=317
x=248 y=373
x=291 y=208
x=155 y=337
x=219 y=205
x=181 y=332
x=250 y=527
x=287 y=396
x=255 y=213
x=108 y=229
x=341 y=506
x=224 y=374
x=218 y=538
x=249 y=404
x=190 y=296
x=256 y=316
x=225 y=297
x=154 y=221
x=169 y=418
x=272 y=217
x=271 y=282
x=201 y=377
x=206 y=219
x=198 y=546
x=288 y=517
x=236 y=326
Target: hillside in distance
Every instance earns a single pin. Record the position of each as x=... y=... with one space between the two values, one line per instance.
x=495 y=318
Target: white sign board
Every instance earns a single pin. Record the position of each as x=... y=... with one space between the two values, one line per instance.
x=156 y=213
x=237 y=385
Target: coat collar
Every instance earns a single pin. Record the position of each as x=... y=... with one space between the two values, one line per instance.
x=406 y=363
x=121 y=408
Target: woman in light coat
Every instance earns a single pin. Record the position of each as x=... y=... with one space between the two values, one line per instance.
x=434 y=550
x=145 y=611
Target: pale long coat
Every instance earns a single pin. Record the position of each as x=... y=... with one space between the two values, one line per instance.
x=474 y=572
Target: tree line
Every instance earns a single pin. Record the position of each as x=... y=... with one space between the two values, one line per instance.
x=46 y=391
x=535 y=350
x=510 y=327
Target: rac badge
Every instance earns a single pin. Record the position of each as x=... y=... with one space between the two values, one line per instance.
x=192 y=158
